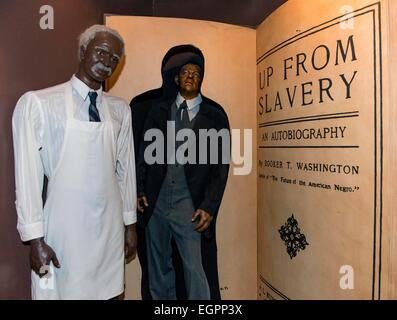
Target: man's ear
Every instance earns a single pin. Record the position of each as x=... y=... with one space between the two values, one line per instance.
x=176 y=79
x=82 y=53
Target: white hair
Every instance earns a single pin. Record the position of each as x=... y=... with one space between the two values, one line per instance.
x=90 y=33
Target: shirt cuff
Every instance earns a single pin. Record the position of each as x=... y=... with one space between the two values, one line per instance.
x=31 y=231
x=129 y=217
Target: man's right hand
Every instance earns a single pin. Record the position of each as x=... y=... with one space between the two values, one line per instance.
x=41 y=255
x=142 y=203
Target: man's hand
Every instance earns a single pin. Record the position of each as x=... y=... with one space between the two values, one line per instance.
x=142 y=203
x=130 y=240
x=205 y=220
x=41 y=255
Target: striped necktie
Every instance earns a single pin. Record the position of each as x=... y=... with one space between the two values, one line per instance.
x=93 y=111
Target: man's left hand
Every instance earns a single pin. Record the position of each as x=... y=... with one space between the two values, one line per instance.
x=130 y=240
x=204 y=220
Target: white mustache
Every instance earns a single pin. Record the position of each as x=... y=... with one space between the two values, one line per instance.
x=100 y=66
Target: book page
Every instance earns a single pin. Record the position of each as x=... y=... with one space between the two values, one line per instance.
x=321 y=122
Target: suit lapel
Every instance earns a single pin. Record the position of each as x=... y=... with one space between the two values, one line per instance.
x=202 y=121
x=162 y=115
x=202 y=117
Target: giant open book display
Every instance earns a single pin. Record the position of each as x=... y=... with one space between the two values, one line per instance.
x=314 y=218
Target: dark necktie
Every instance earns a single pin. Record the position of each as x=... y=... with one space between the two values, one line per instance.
x=93 y=111
x=184 y=119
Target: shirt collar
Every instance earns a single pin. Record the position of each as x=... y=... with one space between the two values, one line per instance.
x=82 y=89
x=192 y=103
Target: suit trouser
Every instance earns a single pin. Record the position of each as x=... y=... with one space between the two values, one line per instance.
x=176 y=262
x=172 y=218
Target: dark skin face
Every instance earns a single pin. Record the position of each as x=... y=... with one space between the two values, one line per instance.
x=189 y=81
x=99 y=59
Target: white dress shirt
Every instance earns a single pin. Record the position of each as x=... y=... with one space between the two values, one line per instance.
x=193 y=105
x=38 y=125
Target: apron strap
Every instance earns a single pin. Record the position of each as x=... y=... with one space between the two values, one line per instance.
x=69 y=101
x=105 y=108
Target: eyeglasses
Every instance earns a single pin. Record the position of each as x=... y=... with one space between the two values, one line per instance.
x=187 y=73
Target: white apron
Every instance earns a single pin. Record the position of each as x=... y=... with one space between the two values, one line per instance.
x=83 y=214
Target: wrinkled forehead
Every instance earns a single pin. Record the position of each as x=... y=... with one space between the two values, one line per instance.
x=108 y=40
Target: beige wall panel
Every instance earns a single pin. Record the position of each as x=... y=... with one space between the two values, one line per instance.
x=229 y=80
x=345 y=227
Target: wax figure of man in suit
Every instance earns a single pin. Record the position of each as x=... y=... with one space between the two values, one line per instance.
x=82 y=140
x=140 y=106
x=175 y=195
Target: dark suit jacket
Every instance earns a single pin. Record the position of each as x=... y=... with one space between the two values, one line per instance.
x=206 y=181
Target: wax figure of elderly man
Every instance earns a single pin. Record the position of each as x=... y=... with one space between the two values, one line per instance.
x=81 y=139
x=176 y=199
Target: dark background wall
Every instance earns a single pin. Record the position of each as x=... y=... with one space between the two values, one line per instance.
x=32 y=58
